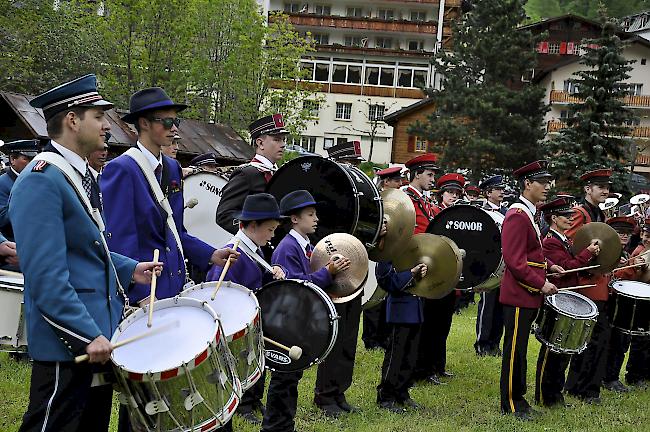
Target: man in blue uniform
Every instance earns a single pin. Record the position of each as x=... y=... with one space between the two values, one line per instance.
x=74 y=288
x=138 y=221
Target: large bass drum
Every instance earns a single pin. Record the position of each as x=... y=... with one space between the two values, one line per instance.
x=200 y=220
x=350 y=201
x=495 y=278
x=477 y=233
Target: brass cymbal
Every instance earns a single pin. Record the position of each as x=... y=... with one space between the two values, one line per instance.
x=443 y=259
x=399 y=214
x=610 y=245
x=350 y=281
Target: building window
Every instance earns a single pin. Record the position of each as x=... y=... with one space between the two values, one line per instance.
x=323 y=10
x=308 y=143
x=405 y=78
x=419 y=79
x=354 y=75
x=376 y=112
x=343 y=111
x=321 y=38
x=354 y=12
x=554 y=48
x=294 y=8
x=418 y=16
x=420 y=144
x=353 y=41
x=570 y=87
x=387 y=77
x=328 y=143
x=415 y=45
x=341 y=141
x=636 y=89
x=312 y=107
x=322 y=72
x=383 y=42
x=386 y=14
x=372 y=75
x=338 y=74
x=308 y=70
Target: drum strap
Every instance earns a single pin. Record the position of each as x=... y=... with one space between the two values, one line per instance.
x=74 y=178
x=530 y=216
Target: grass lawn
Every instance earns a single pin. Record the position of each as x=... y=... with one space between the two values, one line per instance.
x=470 y=400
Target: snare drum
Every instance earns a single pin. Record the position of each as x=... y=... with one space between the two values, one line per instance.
x=629 y=309
x=351 y=201
x=239 y=314
x=297 y=313
x=565 y=322
x=200 y=220
x=13 y=329
x=180 y=379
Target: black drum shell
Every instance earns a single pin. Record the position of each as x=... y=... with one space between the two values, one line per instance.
x=629 y=314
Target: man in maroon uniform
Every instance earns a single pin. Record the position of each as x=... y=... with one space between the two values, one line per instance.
x=422 y=177
x=523 y=284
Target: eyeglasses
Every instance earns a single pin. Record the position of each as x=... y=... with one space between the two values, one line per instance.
x=167 y=122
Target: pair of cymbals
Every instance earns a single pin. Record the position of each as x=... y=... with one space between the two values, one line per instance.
x=444 y=264
x=347 y=282
x=608 y=240
x=399 y=215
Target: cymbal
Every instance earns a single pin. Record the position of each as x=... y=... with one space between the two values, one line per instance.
x=399 y=214
x=443 y=259
x=347 y=282
x=610 y=245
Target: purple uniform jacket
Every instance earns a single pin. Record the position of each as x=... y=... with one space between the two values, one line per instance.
x=290 y=255
x=136 y=226
x=244 y=271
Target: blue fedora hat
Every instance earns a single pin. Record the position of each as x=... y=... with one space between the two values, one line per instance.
x=296 y=200
x=257 y=207
x=149 y=99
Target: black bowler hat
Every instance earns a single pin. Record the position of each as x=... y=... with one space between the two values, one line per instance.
x=296 y=200
x=258 y=207
x=27 y=148
x=81 y=92
x=268 y=125
x=147 y=100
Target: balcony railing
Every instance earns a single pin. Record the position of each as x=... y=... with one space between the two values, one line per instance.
x=560 y=96
x=366 y=24
x=554 y=126
x=642 y=159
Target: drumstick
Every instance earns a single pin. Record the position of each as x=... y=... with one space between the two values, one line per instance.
x=574 y=270
x=295 y=352
x=152 y=295
x=11 y=273
x=639 y=255
x=235 y=245
x=176 y=323
x=577 y=287
x=629 y=266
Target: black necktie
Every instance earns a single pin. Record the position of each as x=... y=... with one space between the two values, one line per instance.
x=158 y=172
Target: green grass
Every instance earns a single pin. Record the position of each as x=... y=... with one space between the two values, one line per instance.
x=469 y=402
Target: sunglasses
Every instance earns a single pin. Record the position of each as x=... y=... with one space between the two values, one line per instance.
x=167 y=122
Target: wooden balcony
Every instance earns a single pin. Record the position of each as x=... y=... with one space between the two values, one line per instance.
x=642 y=132
x=356 y=89
x=342 y=49
x=365 y=24
x=562 y=97
x=642 y=159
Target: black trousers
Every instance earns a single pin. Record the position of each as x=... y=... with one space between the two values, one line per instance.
x=252 y=398
x=638 y=364
x=432 y=346
x=399 y=362
x=334 y=375
x=489 y=322
x=463 y=300
x=375 y=329
x=61 y=399
x=619 y=343
x=588 y=368
x=518 y=322
x=281 y=402
x=550 y=376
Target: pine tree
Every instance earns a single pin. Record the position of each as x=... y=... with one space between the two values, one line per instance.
x=597 y=136
x=486 y=118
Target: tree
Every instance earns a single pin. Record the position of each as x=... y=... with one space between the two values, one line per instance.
x=538 y=9
x=486 y=118
x=597 y=135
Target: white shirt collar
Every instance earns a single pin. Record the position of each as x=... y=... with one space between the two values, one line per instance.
x=562 y=236
x=267 y=163
x=71 y=157
x=94 y=172
x=530 y=205
x=417 y=192
x=300 y=239
x=241 y=235
x=153 y=160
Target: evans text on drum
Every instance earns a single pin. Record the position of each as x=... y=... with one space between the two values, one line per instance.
x=629 y=307
x=476 y=232
x=201 y=220
x=297 y=313
x=350 y=202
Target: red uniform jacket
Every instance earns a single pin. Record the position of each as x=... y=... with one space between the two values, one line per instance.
x=629 y=273
x=525 y=272
x=560 y=253
x=424 y=209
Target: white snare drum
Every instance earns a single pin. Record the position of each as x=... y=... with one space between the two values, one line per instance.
x=201 y=220
x=239 y=313
x=373 y=294
x=180 y=379
x=13 y=329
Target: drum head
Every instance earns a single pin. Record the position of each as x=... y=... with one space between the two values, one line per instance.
x=170 y=348
x=476 y=232
x=573 y=304
x=200 y=220
x=233 y=303
x=296 y=313
x=632 y=289
x=329 y=183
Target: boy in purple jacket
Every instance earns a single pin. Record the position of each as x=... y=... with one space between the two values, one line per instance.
x=293 y=254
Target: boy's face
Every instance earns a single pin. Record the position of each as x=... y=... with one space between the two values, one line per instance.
x=261 y=232
x=306 y=221
x=624 y=237
x=645 y=239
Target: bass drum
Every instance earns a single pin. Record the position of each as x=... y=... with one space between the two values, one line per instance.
x=477 y=234
x=373 y=294
x=201 y=220
x=495 y=278
x=350 y=202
